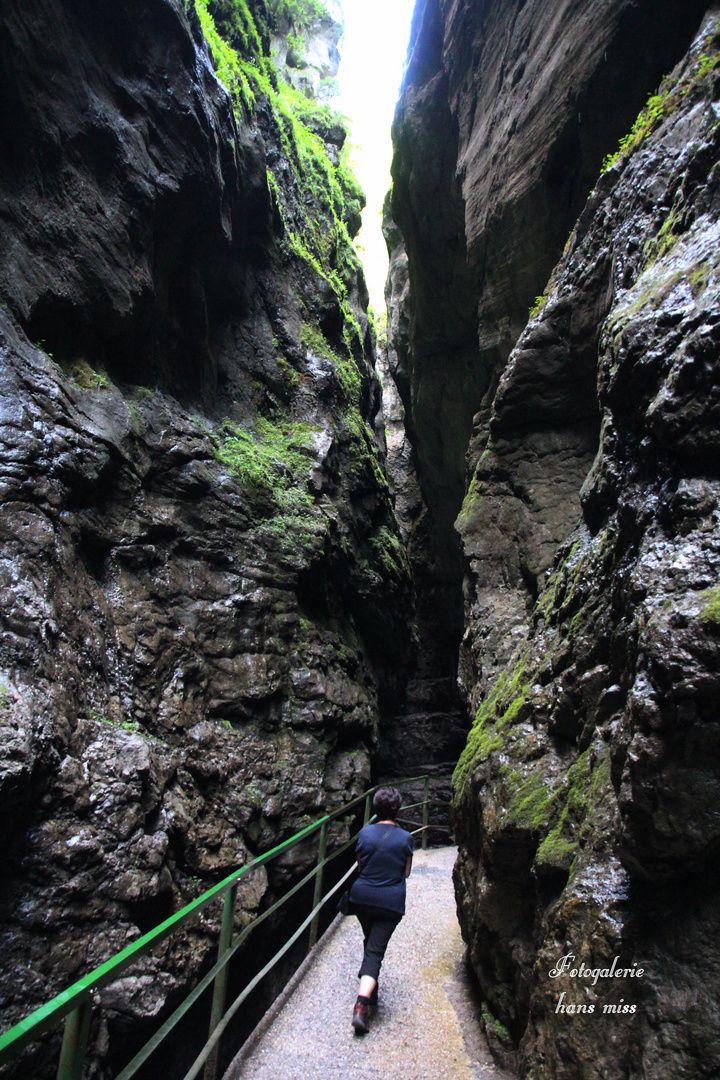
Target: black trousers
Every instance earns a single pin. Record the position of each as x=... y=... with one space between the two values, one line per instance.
x=377 y=925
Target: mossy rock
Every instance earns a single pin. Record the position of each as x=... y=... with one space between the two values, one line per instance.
x=710 y=614
x=86 y=377
x=532 y=799
x=586 y=784
x=500 y=711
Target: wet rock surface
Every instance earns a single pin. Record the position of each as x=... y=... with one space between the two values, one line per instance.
x=430 y=730
x=586 y=800
x=505 y=115
x=196 y=653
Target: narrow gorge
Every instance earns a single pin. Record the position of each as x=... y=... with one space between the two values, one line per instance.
x=256 y=558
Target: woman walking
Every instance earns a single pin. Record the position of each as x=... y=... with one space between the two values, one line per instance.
x=384 y=855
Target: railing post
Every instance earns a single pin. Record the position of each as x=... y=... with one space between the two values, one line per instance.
x=221 y=979
x=317 y=895
x=74 y=1044
x=368 y=809
x=426 y=797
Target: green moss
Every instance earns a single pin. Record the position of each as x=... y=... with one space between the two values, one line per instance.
x=661 y=104
x=390 y=552
x=668 y=235
x=483 y=739
x=710 y=614
x=556 y=850
x=315 y=227
x=364 y=469
x=126 y=725
x=229 y=68
x=576 y=623
x=585 y=786
x=329 y=192
x=311 y=337
x=86 y=377
x=346 y=369
x=513 y=710
x=494 y=718
x=653 y=288
x=290 y=376
x=531 y=801
x=548 y=597
x=315 y=201
x=493 y=1022
x=472 y=504
x=699 y=278
x=272 y=464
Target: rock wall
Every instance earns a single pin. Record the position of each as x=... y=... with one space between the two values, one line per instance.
x=429 y=732
x=205 y=604
x=585 y=799
x=505 y=115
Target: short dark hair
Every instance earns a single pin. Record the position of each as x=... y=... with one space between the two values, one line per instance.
x=386 y=803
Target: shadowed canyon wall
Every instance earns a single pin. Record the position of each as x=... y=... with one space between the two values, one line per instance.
x=577 y=461
x=205 y=608
x=505 y=115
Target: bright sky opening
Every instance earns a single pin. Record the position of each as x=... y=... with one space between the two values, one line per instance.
x=373 y=51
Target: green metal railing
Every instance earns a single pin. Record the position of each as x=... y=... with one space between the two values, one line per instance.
x=75 y=1004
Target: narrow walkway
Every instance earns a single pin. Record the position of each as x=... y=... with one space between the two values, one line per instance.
x=426 y=1025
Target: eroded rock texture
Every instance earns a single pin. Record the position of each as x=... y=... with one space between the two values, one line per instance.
x=430 y=731
x=204 y=603
x=505 y=115
x=587 y=798
x=583 y=451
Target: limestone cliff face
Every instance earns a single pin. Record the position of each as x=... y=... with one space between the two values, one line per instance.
x=204 y=599
x=587 y=795
x=586 y=798
x=505 y=115
x=430 y=730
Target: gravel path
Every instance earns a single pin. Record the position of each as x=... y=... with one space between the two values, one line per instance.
x=426 y=1024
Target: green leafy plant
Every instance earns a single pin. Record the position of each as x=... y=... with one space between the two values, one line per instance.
x=666 y=100
x=647 y=121
x=41 y=345
x=537 y=305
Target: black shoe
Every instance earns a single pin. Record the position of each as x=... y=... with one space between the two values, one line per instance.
x=361 y=1019
x=374 y=998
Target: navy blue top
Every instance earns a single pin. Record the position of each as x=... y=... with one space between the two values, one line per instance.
x=381 y=882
